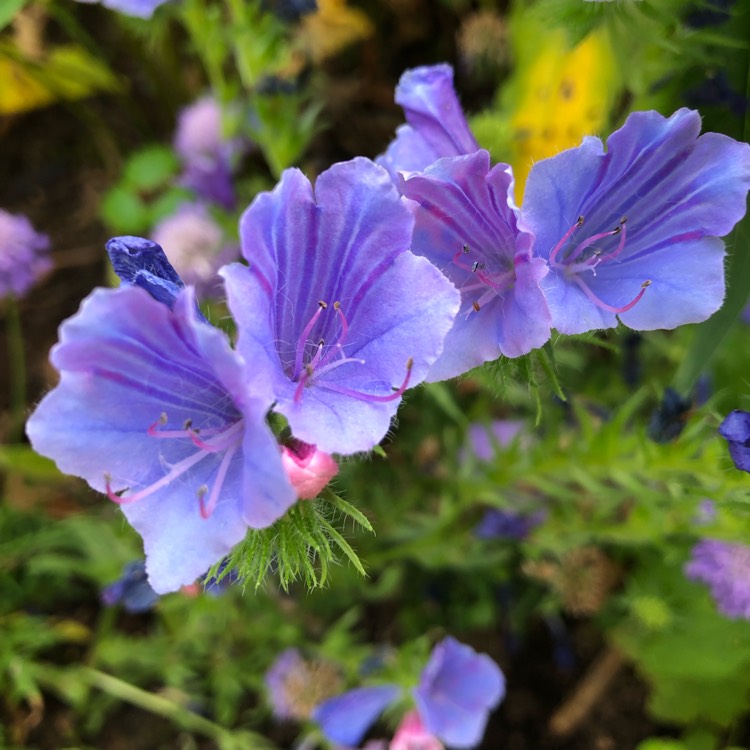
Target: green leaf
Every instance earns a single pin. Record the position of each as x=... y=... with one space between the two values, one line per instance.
x=150 y=168
x=8 y=10
x=124 y=212
x=21 y=459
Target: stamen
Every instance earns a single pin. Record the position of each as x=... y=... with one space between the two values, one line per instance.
x=208 y=508
x=559 y=246
x=305 y=335
x=398 y=392
x=476 y=306
x=600 y=303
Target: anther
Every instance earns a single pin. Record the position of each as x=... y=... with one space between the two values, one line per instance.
x=202 y=492
x=579 y=222
x=322 y=304
x=337 y=306
x=465 y=249
x=187 y=424
x=476 y=306
x=477 y=266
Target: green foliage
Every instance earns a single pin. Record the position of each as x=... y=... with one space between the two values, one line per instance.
x=302 y=545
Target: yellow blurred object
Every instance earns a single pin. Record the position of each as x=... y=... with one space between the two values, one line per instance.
x=564 y=96
x=67 y=72
x=331 y=28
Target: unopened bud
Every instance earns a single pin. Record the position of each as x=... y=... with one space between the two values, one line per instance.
x=309 y=470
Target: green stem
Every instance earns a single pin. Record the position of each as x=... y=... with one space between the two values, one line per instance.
x=16 y=366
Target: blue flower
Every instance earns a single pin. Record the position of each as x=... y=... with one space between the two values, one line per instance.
x=131 y=589
x=725 y=568
x=336 y=317
x=137 y=8
x=457 y=691
x=436 y=125
x=632 y=232
x=152 y=410
x=735 y=429
x=466 y=224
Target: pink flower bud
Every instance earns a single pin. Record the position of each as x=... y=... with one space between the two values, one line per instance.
x=308 y=469
x=411 y=735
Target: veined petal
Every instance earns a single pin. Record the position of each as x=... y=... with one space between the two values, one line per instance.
x=346 y=718
x=436 y=127
x=132 y=372
x=669 y=190
x=466 y=225
x=457 y=690
x=334 y=313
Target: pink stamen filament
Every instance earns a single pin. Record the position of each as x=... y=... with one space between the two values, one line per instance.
x=600 y=303
x=559 y=246
x=368 y=397
x=228 y=440
x=207 y=509
x=305 y=335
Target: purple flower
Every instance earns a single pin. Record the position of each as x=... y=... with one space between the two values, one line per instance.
x=508 y=524
x=633 y=231
x=346 y=718
x=206 y=154
x=436 y=123
x=152 y=409
x=23 y=255
x=484 y=439
x=336 y=317
x=138 y=8
x=196 y=246
x=725 y=568
x=132 y=590
x=736 y=430
x=457 y=690
x=466 y=224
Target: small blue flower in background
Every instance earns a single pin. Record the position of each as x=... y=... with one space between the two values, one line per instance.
x=484 y=439
x=725 y=568
x=289 y=10
x=436 y=125
x=336 y=318
x=466 y=224
x=457 y=691
x=152 y=410
x=196 y=246
x=132 y=590
x=508 y=524
x=633 y=232
x=735 y=429
x=24 y=255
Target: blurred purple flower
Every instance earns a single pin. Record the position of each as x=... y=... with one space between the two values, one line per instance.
x=436 y=125
x=705 y=513
x=23 y=255
x=508 y=524
x=132 y=590
x=725 y=568
x=138 y=8
x=484 y=439
x=152 y=409
x=650 y=209
x=196 y=246
x=736 y=430
x=335 y=314
x=466 y=224
x=457 y=690
x=346 y=718
x=207 y=155
x=289 y=10
x=295 y=685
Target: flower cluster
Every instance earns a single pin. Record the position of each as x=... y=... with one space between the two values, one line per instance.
x=374 y=280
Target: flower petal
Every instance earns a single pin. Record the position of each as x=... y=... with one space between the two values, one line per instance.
x=346 y=718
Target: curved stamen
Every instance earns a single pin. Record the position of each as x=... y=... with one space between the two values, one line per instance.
x=207 y=509
x=368 y=397
x=559 y=246
x=305 y=335
x=600 y=303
